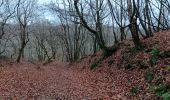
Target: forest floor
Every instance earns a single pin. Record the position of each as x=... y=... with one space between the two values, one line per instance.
x=113 y=79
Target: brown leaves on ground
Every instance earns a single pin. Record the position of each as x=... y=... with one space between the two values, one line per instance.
x=55 y=81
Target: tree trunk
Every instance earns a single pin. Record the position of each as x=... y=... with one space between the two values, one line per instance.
x=148 y=18
x=20 y=54
x=122 y=36
x=23 y=42
x=135 y=35
x=133 y=24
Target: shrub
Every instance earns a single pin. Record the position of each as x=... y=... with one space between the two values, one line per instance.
x=93 y=66
x=160 y=89
x=134 y=90
x=149 y=76
x=166 y=96
x=155 y=52
x=153 y=60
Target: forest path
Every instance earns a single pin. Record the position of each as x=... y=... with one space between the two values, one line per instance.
x=60 y=81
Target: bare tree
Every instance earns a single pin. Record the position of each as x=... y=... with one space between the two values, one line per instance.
x=118 y=14
x=97 y=32
x=146 y=22
x=25 y=12
x=7 y=10
x=71 y=34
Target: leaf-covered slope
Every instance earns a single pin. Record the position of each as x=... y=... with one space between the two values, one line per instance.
x=121 y=76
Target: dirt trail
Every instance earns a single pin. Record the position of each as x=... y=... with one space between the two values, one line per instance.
x=28 y=81
x=59 y=81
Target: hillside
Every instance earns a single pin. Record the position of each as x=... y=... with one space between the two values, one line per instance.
x=126 y=75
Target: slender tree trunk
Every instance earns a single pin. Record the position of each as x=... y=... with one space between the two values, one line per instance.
x=95 y=46
x=20 y=53
x=23 y=43
x=148 y=18
x=122 y=31
x=133 y=24
x=160 y=15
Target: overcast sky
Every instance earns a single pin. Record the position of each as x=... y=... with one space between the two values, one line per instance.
x=46 y=14
x=43 y=1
